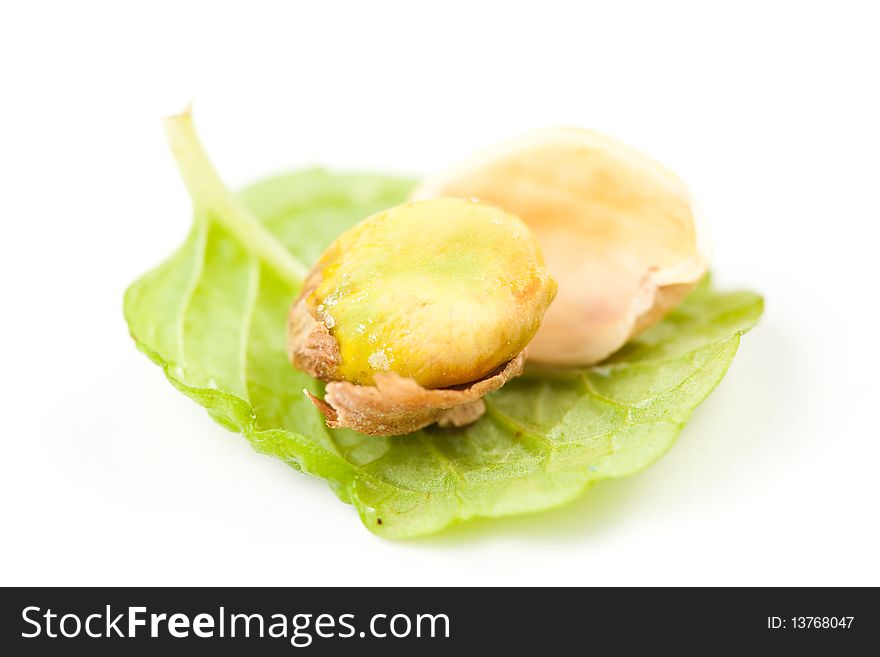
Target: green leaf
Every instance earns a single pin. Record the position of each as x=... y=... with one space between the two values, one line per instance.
x=213 y=315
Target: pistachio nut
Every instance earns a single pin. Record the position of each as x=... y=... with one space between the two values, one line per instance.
x=415 y=313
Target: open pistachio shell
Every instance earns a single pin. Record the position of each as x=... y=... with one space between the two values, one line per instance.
x=618 y=232
x=417 y=312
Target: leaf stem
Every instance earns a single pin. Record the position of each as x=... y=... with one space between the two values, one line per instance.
x=211 y=196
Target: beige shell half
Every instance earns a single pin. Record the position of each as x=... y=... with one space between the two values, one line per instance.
x=618 y=232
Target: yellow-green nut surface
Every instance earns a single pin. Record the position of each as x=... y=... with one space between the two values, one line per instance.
x=441 y=291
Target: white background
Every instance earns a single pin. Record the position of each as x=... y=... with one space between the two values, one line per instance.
x=769 y=110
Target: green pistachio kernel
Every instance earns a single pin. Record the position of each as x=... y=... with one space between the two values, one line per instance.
x=442 y=291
